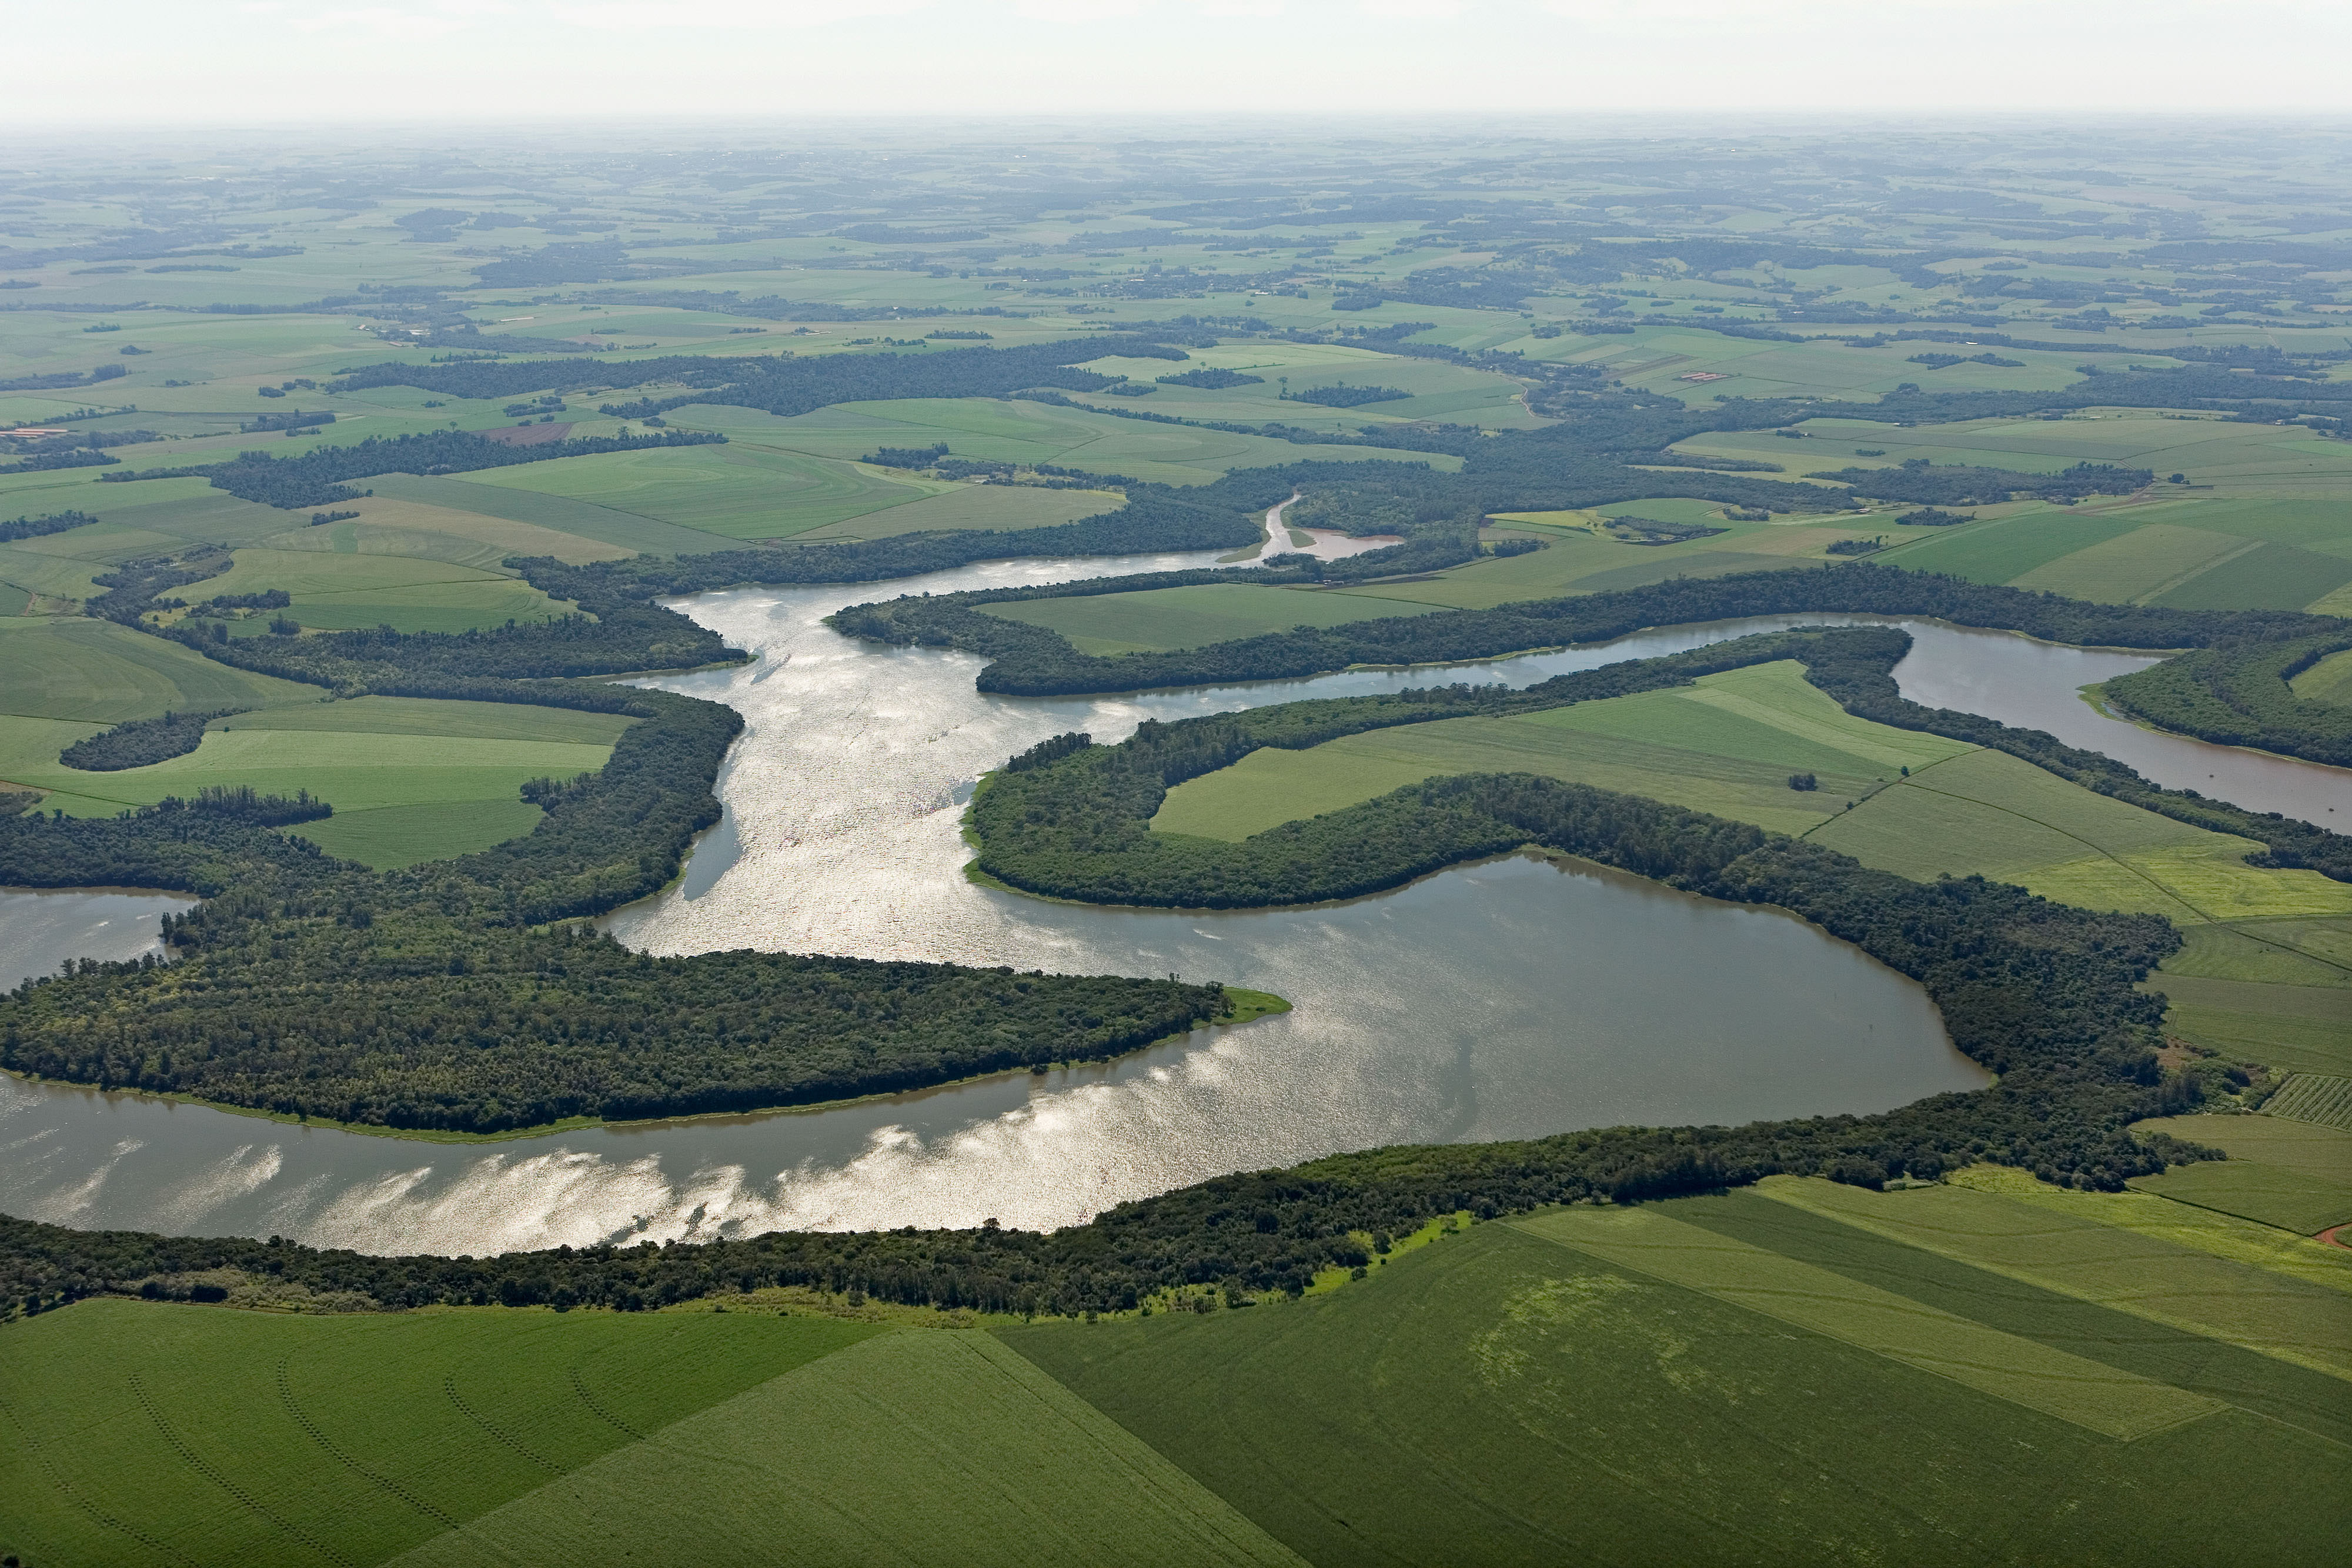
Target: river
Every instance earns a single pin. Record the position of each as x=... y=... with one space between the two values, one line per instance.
x=1507 y=1000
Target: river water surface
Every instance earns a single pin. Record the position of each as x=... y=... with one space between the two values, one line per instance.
x=1508 y=999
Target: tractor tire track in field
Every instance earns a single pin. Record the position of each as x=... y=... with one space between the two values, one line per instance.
x=203 y=1468
x=313 y=1430
x=98 y=1515
x=598 y=1411
x=449 y=1386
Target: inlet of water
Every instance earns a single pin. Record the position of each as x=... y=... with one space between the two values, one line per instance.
x=1502 y=1001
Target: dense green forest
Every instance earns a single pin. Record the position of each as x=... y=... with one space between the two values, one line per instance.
x=141 y=741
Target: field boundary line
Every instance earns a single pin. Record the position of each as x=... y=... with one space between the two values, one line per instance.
x=317 y=1433
x=203 y=1468
x=1991 y=1360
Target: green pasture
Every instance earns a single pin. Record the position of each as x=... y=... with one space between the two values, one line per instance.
x=970 y=506
x=738 y=492
x=1988 y=812
x=1163 y=618
x=335 y=591
x=1441 y=390
x=1530 y=1393
x=1654 y=357
x=629 y=532
x=1582 y=561
x=94 y=674
x=2256 y=1337
x=397 y=802
x=145 y=1433
x=1015 y=432
x=2328 y=681
x=1726 y=745
x=910 y=1446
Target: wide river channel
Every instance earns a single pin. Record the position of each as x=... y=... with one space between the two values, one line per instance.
x=1501 y=1000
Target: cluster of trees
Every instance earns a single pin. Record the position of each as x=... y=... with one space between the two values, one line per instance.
x=319 y=477
x=1210 y=379
x=1945 y=361
x=141 y=741
x=1957 y=485
x=48 y=523
x=2236 y=694
x=1930 y=517
x=906 y=456
x=1340 y=394
x=58 y=380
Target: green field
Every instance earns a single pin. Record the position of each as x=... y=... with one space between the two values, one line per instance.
x=2313 y=1097
x=1995 y=814
x=1018 y=432
x=335 y=589
x=1642 y=1387
x=1163 y=618
x=913 y=1446
x=1726 y=745
x=533 y=1436
x=95 y=672
x=353 y=1437
x=397 y=802
x=737 y=491
x=2328 y=681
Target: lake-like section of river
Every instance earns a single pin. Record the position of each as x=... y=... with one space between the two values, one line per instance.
x=1508 y=999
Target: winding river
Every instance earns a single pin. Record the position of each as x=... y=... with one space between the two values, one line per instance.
x=1505 y=999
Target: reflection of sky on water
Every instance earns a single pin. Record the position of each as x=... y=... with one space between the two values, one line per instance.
x=1501 y=1000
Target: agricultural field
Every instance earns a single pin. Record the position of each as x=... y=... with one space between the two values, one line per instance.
x=1638 y=1385
x=498 y=1434
x=396 y=800
x=1016 y=431
x=1164 y=618
x=2002 y=1366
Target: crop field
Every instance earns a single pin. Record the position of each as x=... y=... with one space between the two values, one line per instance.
x=1726 y=745
x=2315 y=1098
x=1164 y=618
x=737 y=491
x=628 y=532
x=2292 y=1173
x=1455 y=393
x=2328 y=681
x=1017 y=432
x=352 y=1437
x=970 y=506
x=94 y=673
x=335 y=591
x=915 y=1445
x=397 y=802
x=1990 y=812
x=1639 y=1386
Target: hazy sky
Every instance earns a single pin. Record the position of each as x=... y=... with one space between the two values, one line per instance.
x=244 y=61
